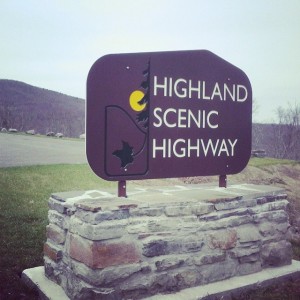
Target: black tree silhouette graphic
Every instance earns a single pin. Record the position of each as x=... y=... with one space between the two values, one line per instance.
x=126 y=154
x=143 y=116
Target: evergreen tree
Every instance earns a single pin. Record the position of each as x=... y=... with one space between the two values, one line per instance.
x=143 y=116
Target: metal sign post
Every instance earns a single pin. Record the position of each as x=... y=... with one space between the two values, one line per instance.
x=122 y=189
x=223 y=181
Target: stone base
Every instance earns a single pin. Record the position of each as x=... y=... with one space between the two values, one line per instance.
x=163 y=240
x=36 y=279
x=48 y=290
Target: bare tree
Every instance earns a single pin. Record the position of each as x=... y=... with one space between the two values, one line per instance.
x=257 y=136
x=7 y=116
x=255 y=108
x=257 y=129
x=286 y=133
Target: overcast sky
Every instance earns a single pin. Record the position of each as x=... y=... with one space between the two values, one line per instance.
x=53 y=43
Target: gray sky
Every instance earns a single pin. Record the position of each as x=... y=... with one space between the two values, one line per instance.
x=53 y=43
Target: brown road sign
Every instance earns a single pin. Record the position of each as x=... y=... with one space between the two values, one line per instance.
x=167 y=114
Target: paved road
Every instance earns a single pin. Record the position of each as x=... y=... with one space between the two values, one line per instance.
x=24 y=150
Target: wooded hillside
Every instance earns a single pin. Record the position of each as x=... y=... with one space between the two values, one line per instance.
x=25 y=107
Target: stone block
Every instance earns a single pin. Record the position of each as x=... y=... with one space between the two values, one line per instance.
x=282 y=228
x=102 y=254
x=145 y=235
x=261 y=200
x=100 y=216
x=137 y=225
x=187 y=244
x=277 y=216
x=175 y=211
x=188 y=277
x=49 y=267
x=233 y=221
x=149 y=284
x=78 y=289
x=189 y=224
x=210 y=217
x=248 y=233
x=248 y=202
x=249 y=267
x=171 y=262
x=276 y=254
x=202 y=209
x=56 y=234
x=244 y=252
x=164 y=282
x=109 y=275
x=249 y=258
x=57 y=205
x=210 y=258
x=225 y=214
x=58 y=219
x=236 y=221
x=220 y=271
x=155 y=247
x=53 y=252
x=92 y=205
x=222 y=239
x=179 y=245
x=164 y=224
x=235 y=204
x=237 y=212
x=189 y=219
x=56 y=197
x=54 y=270
x=150 y=212
x=281 y=196
x=270 y=198
x=270 y=206
x=133 y=289
x=266 y=229
x=227 y=205
x=103 y=231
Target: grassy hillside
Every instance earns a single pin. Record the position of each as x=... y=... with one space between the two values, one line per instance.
x=23 y=217
x=25 y=107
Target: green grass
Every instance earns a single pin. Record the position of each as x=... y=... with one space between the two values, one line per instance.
x=24 y=192
x=268 y=161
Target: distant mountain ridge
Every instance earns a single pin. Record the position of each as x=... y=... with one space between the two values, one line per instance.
x=26 y=107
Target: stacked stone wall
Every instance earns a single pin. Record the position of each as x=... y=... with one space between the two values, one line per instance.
x=101 y=247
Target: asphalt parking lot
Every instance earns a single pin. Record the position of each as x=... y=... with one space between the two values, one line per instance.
x=25 y=150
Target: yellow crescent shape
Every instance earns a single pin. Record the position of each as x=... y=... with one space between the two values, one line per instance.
x=134 y=99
